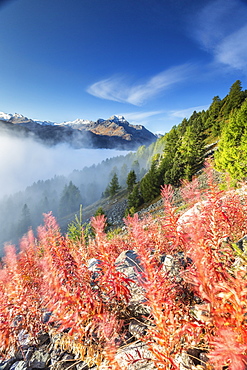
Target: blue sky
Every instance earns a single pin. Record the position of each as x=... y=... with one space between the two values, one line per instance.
x=153 y=61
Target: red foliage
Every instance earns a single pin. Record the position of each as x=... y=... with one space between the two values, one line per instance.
x=51 y=273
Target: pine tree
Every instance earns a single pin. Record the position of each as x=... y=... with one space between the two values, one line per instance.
x=234 y=99
x=70 y=200
x=213 y=123
x=135 y=199
x=232 y=152
x=192 y=149
x=136 y=165
x=131 y=180
x=171 y=168
x=25 y=220
x=114 y=186
x=150 y=184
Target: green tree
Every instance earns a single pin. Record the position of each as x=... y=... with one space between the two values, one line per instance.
x=131 y=180
x=135 y=199
x=192 y=149
x=113 y=187
x=25 y=220
x=232 y=151
x=78 y=231
x=213 y=122
x=99 y=212
x=171 y=169
x=75 y=228
x=150 y=184
x=234 y=99
x=70 y=200
x=136 y=165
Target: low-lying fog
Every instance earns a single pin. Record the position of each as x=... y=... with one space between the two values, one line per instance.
x=24 y=161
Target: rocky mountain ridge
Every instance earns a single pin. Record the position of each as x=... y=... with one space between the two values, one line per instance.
x=113 y=133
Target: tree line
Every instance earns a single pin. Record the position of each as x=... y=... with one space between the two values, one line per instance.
x=185 y=145
x=178 y=155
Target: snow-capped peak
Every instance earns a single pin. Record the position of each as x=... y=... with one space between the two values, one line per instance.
x=44 y=123
x=17 y=115
x=77 y=121
x=7 y=116
x=117 y=119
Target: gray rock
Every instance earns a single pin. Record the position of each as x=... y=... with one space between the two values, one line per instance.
x=39 y=358
x=81 y=366
x=43 y=338
x=242 y=244
x=136 y=356
x=23 y=338
x=129 y=264
x=94 y=265
x=19 y=365
x=137 y=328
x=6 y=365
x=27 y=353
x=46 y=317
x=204 y=359
x=67 y=360
x=56 y=355
x=184 y=361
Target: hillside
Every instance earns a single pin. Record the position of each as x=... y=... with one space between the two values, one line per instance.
x=168 y=293
x=219 y=132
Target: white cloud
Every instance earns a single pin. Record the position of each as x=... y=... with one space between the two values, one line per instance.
x=186 y=113
x=233 y=49
x=221 y=28
x=117 y=89
x=140 y=116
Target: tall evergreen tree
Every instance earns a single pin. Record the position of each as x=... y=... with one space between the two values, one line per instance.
x=213 y=123
x=135 y=199
x=25 y=220
x=171 y=167
x=150 y=184
x=234 y=99
x=136 y=165
x=113 y=187
x=192 y=149
x=232 y=152
x=131 y=180
x=70 y=200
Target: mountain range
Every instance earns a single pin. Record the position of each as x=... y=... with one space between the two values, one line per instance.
x=112 y=133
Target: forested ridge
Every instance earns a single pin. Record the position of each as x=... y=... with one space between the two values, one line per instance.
x=178 y=155
x=163 y=293
x=184 y=147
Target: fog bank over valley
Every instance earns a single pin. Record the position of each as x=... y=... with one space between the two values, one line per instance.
x=24 y=161
x=36 y=179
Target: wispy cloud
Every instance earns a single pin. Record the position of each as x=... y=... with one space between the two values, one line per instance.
x=221 y=29
x=140 y=116
x=117 y=89
x=186 y=113
x=233 y=50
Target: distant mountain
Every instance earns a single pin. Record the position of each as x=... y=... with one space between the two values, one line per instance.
x=113 y=133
